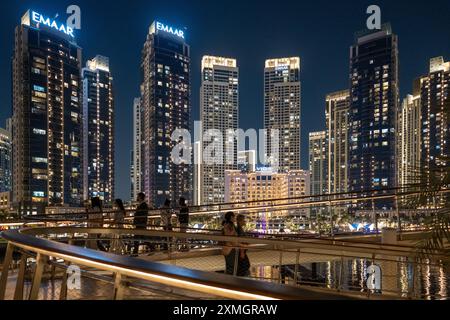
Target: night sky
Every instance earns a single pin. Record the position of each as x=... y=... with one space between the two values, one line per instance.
x=320 y=32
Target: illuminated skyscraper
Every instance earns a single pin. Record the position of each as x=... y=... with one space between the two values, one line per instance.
x=337 y=106
x=136 y=168
x=165 y=98
x=5 y=159
x=282 y=108
x=219 y=101
x=435 y=110
x=409 y=141
x=318 y=163
x=47 y=136
x=247 y=160
x=98 y=132
x=374 y=101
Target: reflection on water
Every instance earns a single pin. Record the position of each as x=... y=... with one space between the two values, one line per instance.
x=401 y=279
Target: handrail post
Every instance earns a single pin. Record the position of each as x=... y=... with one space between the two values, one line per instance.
x=296 y=268
x=118 y=287
x=5 y=270
x=40 y=264
x=63 y=290
x=341 y=274
x=18 y=293
x=281 y=266
x=237 y=252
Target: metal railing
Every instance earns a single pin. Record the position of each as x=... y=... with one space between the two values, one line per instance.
x=283 y=258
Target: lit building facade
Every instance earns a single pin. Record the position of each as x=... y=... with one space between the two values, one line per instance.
x=5 y=160
x=47 y=127
x=318 y=163
x=435 y=125
x=136 y=169
x=374 y=99
x=98 y=130
x=247 y=160
x=409 y=141
x=219 y=101
x=165 y=99
x=262 y=186
x=282 y=109
x=336 y=113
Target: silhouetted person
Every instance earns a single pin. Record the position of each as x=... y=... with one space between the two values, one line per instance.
x=229 y=250
x=95 y=220
x=140 y=219
x=183 y=219
x=166 y=221
x=119 y=212
x=244 y=261
x=117 y=245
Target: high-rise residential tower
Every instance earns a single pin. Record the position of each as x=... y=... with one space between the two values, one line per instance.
x=47 y=138
x=282 y=109
x=219 y=101
x=98 y=130
x=374 y=99
x=318 y=163
x=435 y=124
x=166 y=107
x=409 y=133
x=136 y=169
x=337 y=107
x=5 y=159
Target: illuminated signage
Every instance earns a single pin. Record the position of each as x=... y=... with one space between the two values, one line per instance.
x=282 y=68
x=163 y=27
x=39 y=19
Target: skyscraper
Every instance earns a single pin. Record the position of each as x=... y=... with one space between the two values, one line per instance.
x=282 y=108
x=47 y=137
x=372 y=118
x=136 y=174
x=5 y=159
x=165 y=98
x=98 y=130
x=219 y=101
x=435 y=123
x=337 y=107
x=409 y=141
x=318 y=163
x=247 y=160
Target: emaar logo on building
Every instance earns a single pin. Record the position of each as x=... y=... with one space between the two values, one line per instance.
x=39 y=19
x=166 y=28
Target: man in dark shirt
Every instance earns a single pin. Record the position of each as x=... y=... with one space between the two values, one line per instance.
x=140 y=219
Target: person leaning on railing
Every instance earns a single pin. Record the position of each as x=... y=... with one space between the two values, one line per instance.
x=244 y=261
x=229 y=250
x=140 y=220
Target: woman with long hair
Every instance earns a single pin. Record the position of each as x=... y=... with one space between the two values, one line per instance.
x=229 y=250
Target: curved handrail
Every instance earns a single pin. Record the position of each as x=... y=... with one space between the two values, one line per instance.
x=212 y=283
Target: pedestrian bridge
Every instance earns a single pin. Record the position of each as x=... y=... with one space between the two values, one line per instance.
x=300 y=268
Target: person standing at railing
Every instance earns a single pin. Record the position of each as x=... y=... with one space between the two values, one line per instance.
x=117 y=246
x=166 y=221
x=95 y=220
x=229 y=250
x=140 y=220
x=183 y=220
x=119 y=213
x=244 y=261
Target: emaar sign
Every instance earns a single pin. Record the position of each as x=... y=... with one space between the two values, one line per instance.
x=159 y=26
x=38 y=19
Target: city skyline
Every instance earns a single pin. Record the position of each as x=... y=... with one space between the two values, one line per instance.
x=312 y=106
